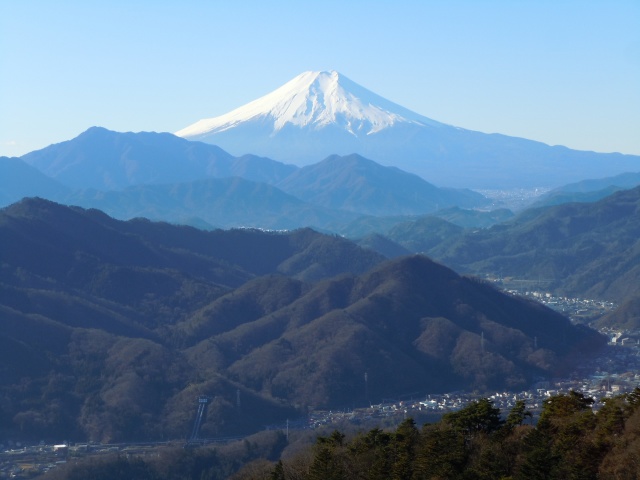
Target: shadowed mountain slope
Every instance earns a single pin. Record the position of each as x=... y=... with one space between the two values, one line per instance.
x=19 y=180
x=356 y=184
x=410 y=324
x=589 y=190
x=117 y=266
x=220 y=202
x=119 y=326
x=88 y=305
x=164 y=177
x=581 y=249
x=625 y=317
x=105 y=160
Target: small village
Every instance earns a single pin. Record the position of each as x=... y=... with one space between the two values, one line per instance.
x=613 y=373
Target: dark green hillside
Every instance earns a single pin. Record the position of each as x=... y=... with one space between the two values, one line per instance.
x=474 y=218
x=559 y=197
x=424 y=233
x=227 y=202
x=580 y=249
x=29 y=344
x=55 y=241
x=395 y=236
x=383 y=245
x=111 y=330
x=367 y=225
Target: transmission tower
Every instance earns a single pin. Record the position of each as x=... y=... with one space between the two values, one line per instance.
x=366 y=386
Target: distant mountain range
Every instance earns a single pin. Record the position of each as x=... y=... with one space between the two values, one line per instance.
x=104 y=160
x=590 y=190
x=110 y=330
x=352 y=196
x=19 y=180
x=585 y=250
x=356 y=184
x=318 y=114
x=164 y=177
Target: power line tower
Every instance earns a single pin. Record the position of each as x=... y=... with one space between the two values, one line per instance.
x=366 y=387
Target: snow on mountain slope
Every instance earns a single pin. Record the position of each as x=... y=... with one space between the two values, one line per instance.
x=318 y=114
x=315 y=100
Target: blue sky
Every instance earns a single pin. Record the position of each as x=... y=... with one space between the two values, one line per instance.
x=562 y=72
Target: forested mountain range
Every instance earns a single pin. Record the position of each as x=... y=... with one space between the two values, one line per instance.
x=590 y=190
x=164 y=177
x=113 y=328
x=578 y=249
x=105 y=160
x=356 y=184
x=582 y=249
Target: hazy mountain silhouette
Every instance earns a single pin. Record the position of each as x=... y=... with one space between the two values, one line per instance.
x=105 y=160
x=318 y=114
x=19 y=180
x=356 y=184
x=220 y=202
x=590 y=190
x=164 y=177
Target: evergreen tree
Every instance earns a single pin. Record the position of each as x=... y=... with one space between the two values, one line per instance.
x=278 y=472
x=441 y=453
x=517 y=415
x=477 y=416
x=327 y=462
x=371 y=455
x=405 y=441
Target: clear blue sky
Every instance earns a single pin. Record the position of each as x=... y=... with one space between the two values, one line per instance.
x=562 y=72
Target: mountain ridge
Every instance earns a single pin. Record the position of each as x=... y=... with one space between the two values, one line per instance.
x=589 y=250
x=107 y=160
x=143 y=317
x=164 y=177
x=300 y=102
x=357 y=184
x=314 y=121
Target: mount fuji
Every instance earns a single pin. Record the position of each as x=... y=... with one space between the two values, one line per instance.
x=318 y=114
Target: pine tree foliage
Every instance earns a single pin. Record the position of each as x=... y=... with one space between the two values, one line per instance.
x=570 y=441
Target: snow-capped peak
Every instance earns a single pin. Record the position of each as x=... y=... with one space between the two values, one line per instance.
x=314 y=100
